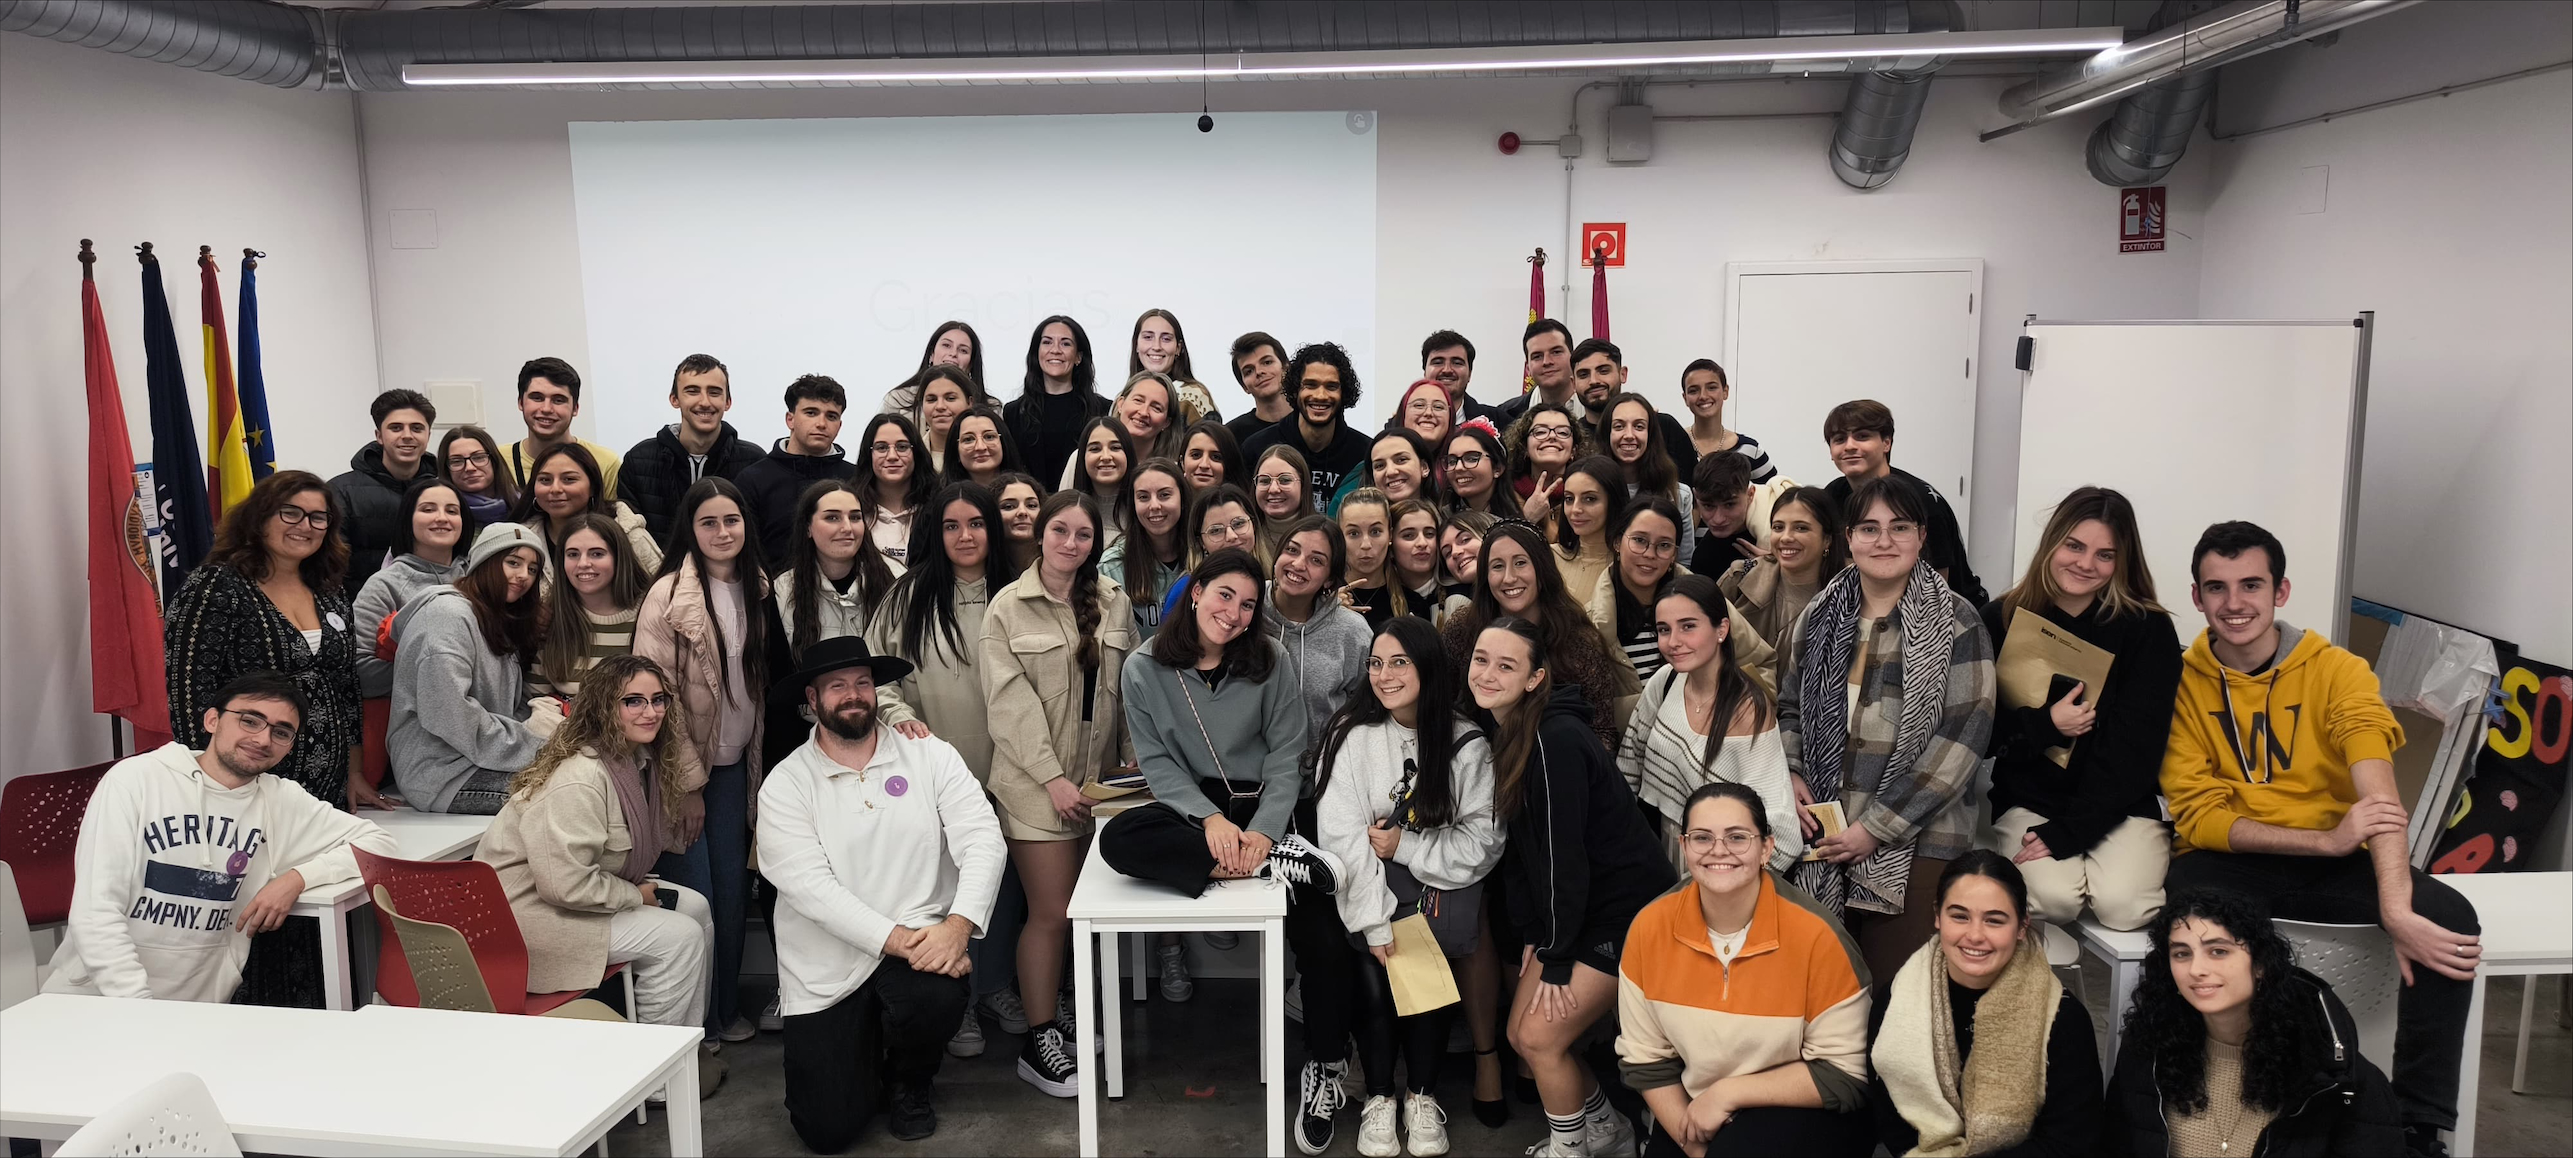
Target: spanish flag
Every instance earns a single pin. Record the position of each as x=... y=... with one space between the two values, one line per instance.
x=227 y=451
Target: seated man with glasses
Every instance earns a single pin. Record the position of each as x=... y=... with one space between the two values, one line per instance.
x=184 y=854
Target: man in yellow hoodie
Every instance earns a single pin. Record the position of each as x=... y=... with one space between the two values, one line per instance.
x=2281 y=785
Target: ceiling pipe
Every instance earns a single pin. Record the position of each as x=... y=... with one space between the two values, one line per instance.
x=2234 y=32
x=268 y=43
x=1874 y=134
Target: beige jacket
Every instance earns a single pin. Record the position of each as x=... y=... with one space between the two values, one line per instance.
x=1032 y=687
x=1749 y=650
x=945 y=689
x=558 y=853
x=676 y=630
x=647 y=550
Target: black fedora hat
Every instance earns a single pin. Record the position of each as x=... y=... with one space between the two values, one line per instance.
x=847 y=651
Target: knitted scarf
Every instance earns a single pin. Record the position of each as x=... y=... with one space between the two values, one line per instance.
x=1986 y=1104
x=1827 y=645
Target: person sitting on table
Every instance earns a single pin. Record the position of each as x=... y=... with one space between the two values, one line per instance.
x=2230 y=1044
x=463 y=724
x=184 y=855
x=1980 y=1050
x=1742 y=1003
x=575 y=845
x=2280 y=776
x=886 y=858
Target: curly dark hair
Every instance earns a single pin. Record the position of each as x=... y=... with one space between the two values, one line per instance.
x=241 y=539
x=2174 y=1033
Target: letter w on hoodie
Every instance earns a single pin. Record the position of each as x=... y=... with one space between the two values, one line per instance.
x=2275 y=746
x=166 y=859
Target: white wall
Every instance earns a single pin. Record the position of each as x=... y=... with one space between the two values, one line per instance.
x=1454 y=220
x=122 y=151
x=2449 y=218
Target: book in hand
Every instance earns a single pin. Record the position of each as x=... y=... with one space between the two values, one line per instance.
x=1832 y=818
x=2039 y=663
x=1125 y=780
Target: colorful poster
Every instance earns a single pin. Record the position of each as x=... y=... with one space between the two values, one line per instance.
x=2509 y=799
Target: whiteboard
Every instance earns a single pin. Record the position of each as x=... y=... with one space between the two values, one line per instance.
x=2198 y=423
x=1803 y=337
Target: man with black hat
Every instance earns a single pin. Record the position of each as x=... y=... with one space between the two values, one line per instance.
x=886 y=857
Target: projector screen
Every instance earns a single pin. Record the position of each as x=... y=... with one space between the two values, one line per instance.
x=786 y=247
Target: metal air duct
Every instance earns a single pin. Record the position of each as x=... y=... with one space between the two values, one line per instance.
x=1874 y=134
x=268 y=43
x=2234 y=32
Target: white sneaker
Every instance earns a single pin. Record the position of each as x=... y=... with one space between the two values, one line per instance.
x=968 y=1041
x=1223 y=942
x=1003 y=1005
x=1043 y=1062
x=1615 y=1140
x=1550 y=1148
x=773 y=1018
x=1424 y=1126
x=1176 y=984
x=1376 y=1128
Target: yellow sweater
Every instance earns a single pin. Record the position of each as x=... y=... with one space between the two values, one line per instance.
x=2274 y=747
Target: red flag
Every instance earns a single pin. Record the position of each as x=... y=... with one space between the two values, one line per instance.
x=1536 y=304
x=125 y=663
x=227 y=450
x=1599 y=294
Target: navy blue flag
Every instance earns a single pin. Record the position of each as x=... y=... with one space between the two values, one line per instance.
x=178 y=469
x=252 y=382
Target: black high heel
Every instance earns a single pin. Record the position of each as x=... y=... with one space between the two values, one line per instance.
x=1493 y=1114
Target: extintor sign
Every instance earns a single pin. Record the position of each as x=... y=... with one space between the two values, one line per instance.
x=2139 y=219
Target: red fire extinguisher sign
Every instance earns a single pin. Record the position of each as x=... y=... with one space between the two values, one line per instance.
x=2139 y=219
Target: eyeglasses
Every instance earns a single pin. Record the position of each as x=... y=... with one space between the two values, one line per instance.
x=890 y=447
x=295 y=516
x=1398 y=663
x=1652 y=546
x=282 y=733
x=1469 y=460
x=1550 y=433
x=1699 y=841
x=1275 y=480
x=638 y=702
x=477 y=460
x=1898 y=531
x=1239 y=526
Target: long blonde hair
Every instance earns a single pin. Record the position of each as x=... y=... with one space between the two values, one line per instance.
x=592 y=725
x=2130 y=586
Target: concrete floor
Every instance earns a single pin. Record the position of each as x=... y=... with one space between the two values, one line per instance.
x=1192 y=1087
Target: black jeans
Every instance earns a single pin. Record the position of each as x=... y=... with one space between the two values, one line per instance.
x=1156 y=842
x=840 y=1061
x=2430 y=1014
x=1420 y=1038
x=1764 y=1130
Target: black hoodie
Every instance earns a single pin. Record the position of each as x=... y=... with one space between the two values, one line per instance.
x=1585 y=864
x=2341 y=1105
x=370 y=502
x=774 y=483
x=657 y=473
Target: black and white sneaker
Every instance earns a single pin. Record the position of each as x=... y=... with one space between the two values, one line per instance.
x=1324 y=1092
x=1298 y=863
x=1046 y=1063
x=1071 y=1028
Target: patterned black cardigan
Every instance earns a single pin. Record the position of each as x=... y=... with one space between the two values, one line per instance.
x=220 y=626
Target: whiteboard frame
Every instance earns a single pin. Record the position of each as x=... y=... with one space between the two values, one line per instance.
x=2365 y=323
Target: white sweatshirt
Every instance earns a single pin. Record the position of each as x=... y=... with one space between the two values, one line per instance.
x=855 y=852
x=1364 y=778
x=166 y=860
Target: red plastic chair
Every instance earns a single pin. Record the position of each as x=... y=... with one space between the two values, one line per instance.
x=39 y=829
x=465 y=894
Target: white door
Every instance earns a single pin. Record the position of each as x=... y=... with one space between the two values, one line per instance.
x=1804 y=337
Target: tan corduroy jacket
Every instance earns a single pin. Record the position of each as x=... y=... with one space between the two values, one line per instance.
x=1033 y=686
x=1749 y=650
x=558 y=853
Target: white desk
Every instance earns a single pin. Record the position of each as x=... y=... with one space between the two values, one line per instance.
x=385 y=1081
x=2125 y=953
x=1106 y=903
x=2528 y=932
x=423 y=836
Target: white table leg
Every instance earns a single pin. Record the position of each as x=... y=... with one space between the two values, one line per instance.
x=2470 y=1074
x=1086 y=1011
x=2122 y=979
x=687 y=1129
x=1112 y=1016
x=1143 y=966
x=335 y=959
x=1273 y=1030
x=2527 y=1021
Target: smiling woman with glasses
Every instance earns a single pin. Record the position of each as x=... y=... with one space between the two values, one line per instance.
x=1887 y=708
x=268 y=599
x=1742 y=1019
x=892 y=485
x=1469 y=469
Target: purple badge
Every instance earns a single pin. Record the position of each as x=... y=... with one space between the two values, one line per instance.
x=896 y=786
x=239 y=864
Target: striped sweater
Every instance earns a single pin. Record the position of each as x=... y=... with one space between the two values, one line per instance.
x=1663 y=760
x=1796 y=992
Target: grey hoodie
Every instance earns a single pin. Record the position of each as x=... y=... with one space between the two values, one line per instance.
x=1327 y=650
x=457 y=706
x=386 y=592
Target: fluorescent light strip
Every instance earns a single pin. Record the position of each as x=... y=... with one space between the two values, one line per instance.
x=1275 y=65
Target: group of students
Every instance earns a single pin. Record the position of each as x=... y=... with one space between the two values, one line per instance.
x=1521 y=669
